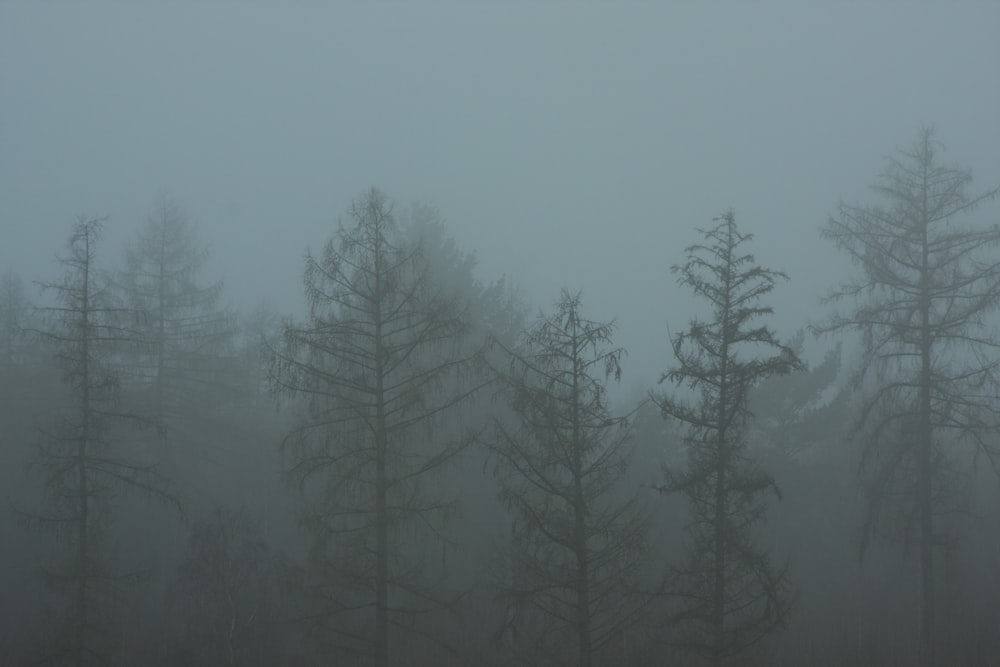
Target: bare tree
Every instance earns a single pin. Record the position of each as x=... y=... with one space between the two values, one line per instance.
x=578 y=538
x=730 y=596
x=80 y=457
x=926 y=289
x=378 y=364
x=184 y=334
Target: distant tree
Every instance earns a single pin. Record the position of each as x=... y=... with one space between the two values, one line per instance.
x=578 y=538
x=13 y=318
x=792 y=411
x=183 y=334
x=379 y=365
x=257 y=334
x=83 y=466
x=224 y=594
x=730 y=595
x=922 y=302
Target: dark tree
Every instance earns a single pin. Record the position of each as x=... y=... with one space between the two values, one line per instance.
x=81 y=457
x=379 y=364
x=922 y=302
x=578 y=538
x=729 y=594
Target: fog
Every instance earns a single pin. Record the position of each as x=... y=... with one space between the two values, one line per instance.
x=565 y=146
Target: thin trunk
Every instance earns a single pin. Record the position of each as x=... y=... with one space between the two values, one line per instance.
x=82 y=546
x=722 y=460
x=719 y=586
x=582 y=583
x=161 y=331
x=579 y=511
x=381 y=484
x=924 y=456
x=381 y=555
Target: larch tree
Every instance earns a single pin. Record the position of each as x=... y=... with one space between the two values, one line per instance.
x=729 y=594
x=927 y=287
x=183 y=333
x=380 y=362
x=82 y=457
x=578 y=537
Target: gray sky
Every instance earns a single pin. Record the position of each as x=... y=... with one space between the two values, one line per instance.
x=567 y=145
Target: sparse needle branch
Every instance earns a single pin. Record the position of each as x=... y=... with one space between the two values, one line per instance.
x=181 y=335
x=578 y=539
x=926 y=288
x=80 y=456
x=729 y=596
x=382 y=357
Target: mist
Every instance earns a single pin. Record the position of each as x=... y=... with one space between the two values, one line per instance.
x=535 y=157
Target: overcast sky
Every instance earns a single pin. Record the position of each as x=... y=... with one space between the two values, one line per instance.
x=566 y=145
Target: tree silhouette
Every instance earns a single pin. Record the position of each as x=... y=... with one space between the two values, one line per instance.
x=182 y=334
x=379 y=363
x=577 y=540
x=730 y=596
x=83 y=465
x=926 y=288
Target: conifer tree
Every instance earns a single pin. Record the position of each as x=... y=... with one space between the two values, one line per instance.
x=578 y=537
x=730 y=595
x=82 y=458
x=930 y=373
x=378 y=364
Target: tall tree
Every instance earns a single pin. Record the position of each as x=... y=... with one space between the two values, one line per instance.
x=83 y=468
x=730 y=595
x=184 y=332
x=578 y=539
x=922 y=302
x=378 y=364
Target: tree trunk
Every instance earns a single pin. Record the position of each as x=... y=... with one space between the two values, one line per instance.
x=381 y=485
x=925 y=490
x=582 y=581
x=719 y=586
x=83 y=545
x=580 y=517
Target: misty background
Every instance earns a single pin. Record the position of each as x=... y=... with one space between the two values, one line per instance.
x=576 y=147
x=622 y=128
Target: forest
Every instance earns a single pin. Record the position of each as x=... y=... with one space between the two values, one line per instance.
x=425 y=468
